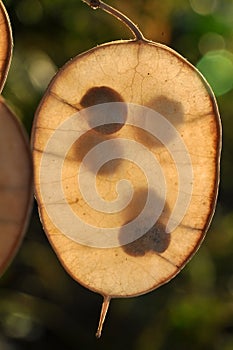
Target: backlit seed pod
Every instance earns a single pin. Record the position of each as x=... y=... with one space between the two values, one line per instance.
x=126 y=147
x=15 y=185
x=6 y=44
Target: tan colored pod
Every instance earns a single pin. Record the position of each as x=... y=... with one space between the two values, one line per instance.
x=15 y=185
x=142 y=76
x=6 y=44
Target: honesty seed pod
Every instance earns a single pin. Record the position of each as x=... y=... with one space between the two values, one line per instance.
x=6 y=44
x=15 y=185
x=126 y=147
x=15 y=161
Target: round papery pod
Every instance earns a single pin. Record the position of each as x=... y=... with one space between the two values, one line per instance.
x=6 y=45
x=127 y=110
x=15 y=185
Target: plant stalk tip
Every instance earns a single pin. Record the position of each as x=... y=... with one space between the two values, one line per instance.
x=103 y=314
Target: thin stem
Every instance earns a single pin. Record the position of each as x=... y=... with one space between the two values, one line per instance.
x=103 y=314
x=120 y=16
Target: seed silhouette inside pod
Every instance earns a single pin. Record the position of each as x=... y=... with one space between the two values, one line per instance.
x=15 y=185
x=100 y=95
x=93 y=186
x=6 y=44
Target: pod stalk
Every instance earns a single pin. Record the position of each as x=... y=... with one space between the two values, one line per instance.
x=95 y=4
x=103 y=314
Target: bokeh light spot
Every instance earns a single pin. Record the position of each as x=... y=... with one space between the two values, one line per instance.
x=211 y=42
x=29 y=11
x=203 y=7
x=20 y=326
x=217 y=67
x=40 y=69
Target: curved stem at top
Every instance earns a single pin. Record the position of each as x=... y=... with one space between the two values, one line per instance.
x=120 y=16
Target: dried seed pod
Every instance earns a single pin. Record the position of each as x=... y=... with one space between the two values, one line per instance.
x=6 y=44
x=167 y=146
x=15 y=185
x=15 y=160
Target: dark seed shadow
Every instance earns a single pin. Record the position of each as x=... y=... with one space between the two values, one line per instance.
x=96 y=135
x=171 y=110
x=104 y=94
x=156 y=239
x=86 y=143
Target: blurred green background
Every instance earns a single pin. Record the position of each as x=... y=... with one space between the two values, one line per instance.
x=41 y=307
